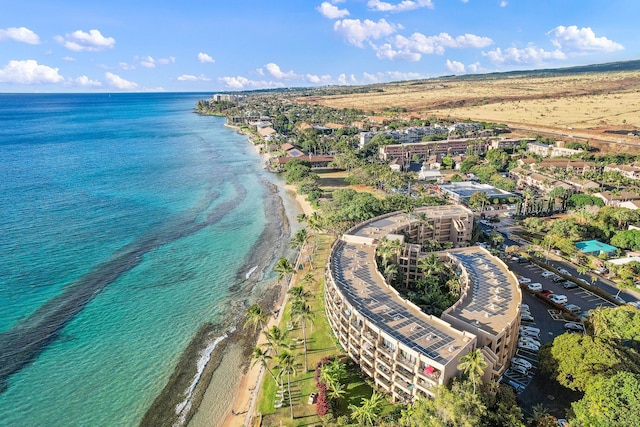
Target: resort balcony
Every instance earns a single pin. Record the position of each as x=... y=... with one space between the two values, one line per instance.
x=354 y=355
x=386 y=372
x=432 y=378
x=367 y=368
x=384 y=383
x=405 y=374
x=403 y=396
x=386 y=351
x=369 y=350
x=385 y=360
x=372 y=338
x=406 y=363
x=425 y=387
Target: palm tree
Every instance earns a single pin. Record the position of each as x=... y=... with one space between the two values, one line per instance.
x=423 y=221
x=255 y=317
x=307 y=279
x=259 y=356
x=276 y=337
x=298 y=293
x=366 y=413
x=300 y=313
x=283 y=267
x=473 y=365
x=390 y=272
x=429 y=264
x=287 y=365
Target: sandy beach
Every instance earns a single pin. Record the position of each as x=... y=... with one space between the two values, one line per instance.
x=244 y=391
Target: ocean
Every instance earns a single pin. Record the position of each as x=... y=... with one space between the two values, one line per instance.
x=126 y=223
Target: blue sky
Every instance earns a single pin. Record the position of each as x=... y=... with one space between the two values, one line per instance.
x=116 y=45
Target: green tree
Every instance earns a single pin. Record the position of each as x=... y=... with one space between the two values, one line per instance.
x=613 y=401
x=473 y=366
x=478 y=200
x=301 y=313
x=287 y=365
x=255 y=317
x=283 y=268
x=277 y=337
x=262 y=357
x=368 y=410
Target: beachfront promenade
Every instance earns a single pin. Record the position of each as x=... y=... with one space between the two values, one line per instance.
x=404 y=350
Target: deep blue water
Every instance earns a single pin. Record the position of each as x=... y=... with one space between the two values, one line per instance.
x=137 y=192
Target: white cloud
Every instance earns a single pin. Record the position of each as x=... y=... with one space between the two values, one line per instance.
x=504 y=3
x=79 y=41
x=581 y=40
x=530 y=55
x=330 y=11
x=386 y=51
x=118 y=82
x=356 y=31
x=165 y=61
x=475 y=68
x=413 y=47
x=240 y=83
x=21 y=34
x=29 y=72
x=192 y=78
x=276 y=72
x=455 y=67
x=68 y=58
x=390 y=76
x=315 y=79
x=85 y=81
x=126 y=66
x=148 y=62
x=403 y=6
x=204 y=58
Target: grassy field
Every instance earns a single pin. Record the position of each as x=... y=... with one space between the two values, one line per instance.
x=571 y=106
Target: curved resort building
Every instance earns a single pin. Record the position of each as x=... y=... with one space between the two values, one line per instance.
x=404 y=350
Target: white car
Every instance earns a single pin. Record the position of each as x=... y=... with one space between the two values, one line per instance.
x=521 y=361
x=558 y=299
x=524 y=307
x=547 y=273
x=524 y=280
x=575 y=309
x=535 y=287
x=518 y=369
x=530 y=340
x=563 y=271
x=585 y=281
x=573 y=326
x=530 y=329
x=527 y=317
x=530 y=334
x=528 y=346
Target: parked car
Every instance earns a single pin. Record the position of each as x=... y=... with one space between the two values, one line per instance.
x=528 y=346
x=558 y=299
x=545 y=292
x=517 y=388
x=524 y=307
x=526 y=317
x=570 y=285
x=564 y=271
x=524 y=280
x=557 y=279
x=530 y=340
x=563 y=422
x=534 y=287
x=619 y=299
x=575 y=309
x=519 y=369
x=585 y=281
x=521 y=361
x=530 y=334
x=547 y=274
x=530 y=329
x=523 y=260
x=573 y=326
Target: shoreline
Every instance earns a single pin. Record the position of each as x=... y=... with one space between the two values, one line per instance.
x=245 y=388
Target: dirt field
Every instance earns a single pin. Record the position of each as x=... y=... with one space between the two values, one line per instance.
x=570 y=107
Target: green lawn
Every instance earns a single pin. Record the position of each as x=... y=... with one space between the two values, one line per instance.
x=320 y=343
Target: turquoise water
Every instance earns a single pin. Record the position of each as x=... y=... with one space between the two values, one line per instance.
x=158 y=205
